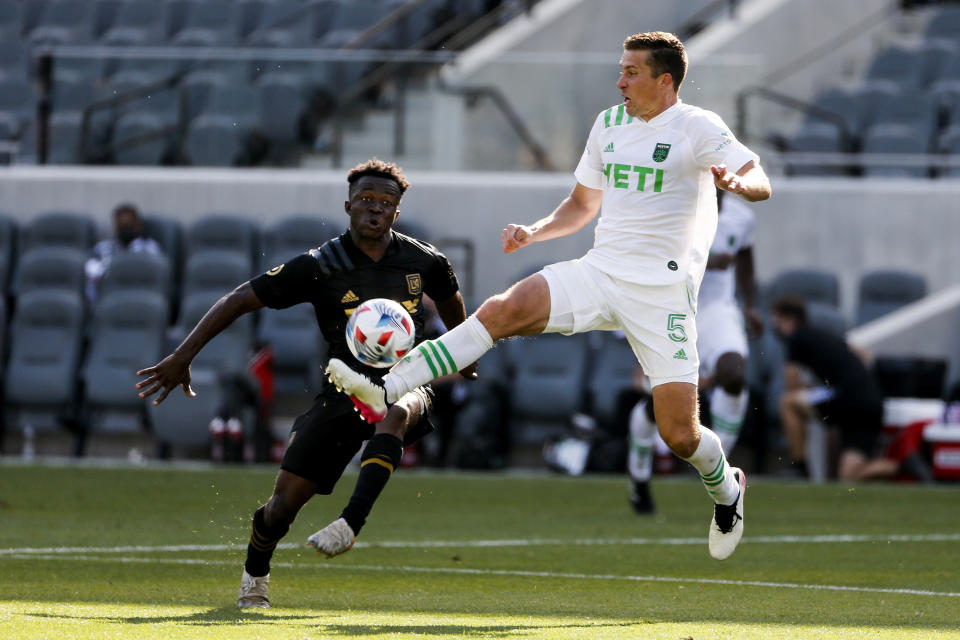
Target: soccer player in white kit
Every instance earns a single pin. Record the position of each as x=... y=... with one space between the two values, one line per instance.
x=651 y=163
x=721 y=344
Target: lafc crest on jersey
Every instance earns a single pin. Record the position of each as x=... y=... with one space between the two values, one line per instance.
x=414 y=284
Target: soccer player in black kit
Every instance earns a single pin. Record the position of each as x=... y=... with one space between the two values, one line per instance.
x=369 y=260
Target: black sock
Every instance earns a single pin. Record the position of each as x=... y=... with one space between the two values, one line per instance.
x=380 y=457
x=263 y=540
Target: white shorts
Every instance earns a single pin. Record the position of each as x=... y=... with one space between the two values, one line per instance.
x=659 y=321
x=720 y=330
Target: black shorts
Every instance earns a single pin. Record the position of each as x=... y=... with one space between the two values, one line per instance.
x=325 y=439
x=860 y=426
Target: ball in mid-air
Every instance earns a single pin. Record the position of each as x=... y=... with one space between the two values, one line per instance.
x=380 y=332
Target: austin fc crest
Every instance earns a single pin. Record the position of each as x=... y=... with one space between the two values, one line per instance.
x=660 y=152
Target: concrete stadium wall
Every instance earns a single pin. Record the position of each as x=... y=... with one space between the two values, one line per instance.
x=846 y=226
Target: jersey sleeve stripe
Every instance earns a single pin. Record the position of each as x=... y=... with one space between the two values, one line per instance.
x=331 y=258
x=606 y=117
x=620 y=110
x=341 y=253
x=321 y=261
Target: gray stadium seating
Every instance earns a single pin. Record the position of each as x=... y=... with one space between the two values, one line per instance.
x=950 y=143
x=229 y=352
x=211 y=23
x=197 y=86
x=184 y=422
x=63 y=22
x=213 y=140
x=611 y=373
x=8 y=251
x=149 y=152
x=351 y=19
x=896 y=139
x=817 y=137
x=137 y=272
x=548 y=384
x=881 y=292
x=11 y=20
x=298 y=348
x=288 y=23
x=58 y=229
x=215 y=271
x=168 y=233
x=280 y=102
x=127 y=334
x=14 y=62
x=58 y=268
x=293 y=235
x=945 y=23
x=827 y=317
x=813 y=285
x=40 y=388
x=138 y=23
x=224 y=232
x=63 y=141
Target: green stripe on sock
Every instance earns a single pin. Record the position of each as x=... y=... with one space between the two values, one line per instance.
x=436 y=354
x=426 y=356
x=453 y=365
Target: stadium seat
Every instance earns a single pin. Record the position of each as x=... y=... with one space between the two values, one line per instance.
x=224 y=232
x=211 y=23
x=59 y=229
x=840 y=102
x=50 y=268
x=352 y=19
x=881 y=292
x=127 y=334
x=138 y=23
x=611 y=373
x=229 y=352
x=63 y=139
x=280 y=102
x=290 y=236
x=827 y=317
x=215 y=271
x=548 y=385
x=17 y=99
x=945 y=88
x=129 y=271
x=289 y=23
x=11 y=21
x=945 y=23
x=298 y=348
x=196 y=87
x=63 y=22
x=898 y=64
x=14 y=61
x=45 y=344
x=949 y=144
x=812 y=285
x=168 y=233
x=214 y=141
x=8 y=252
x=817 y=137
x=151 y=152
x=898 y=139
x=239 y=102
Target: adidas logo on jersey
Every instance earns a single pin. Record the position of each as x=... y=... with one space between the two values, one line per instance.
x=680 y=355
x=608 y=148
x=349 y=296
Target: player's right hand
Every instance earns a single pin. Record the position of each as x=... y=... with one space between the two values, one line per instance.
x=166 y=375
x=516 y=236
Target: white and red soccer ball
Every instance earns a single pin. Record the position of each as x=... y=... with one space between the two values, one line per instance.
x=380 y=332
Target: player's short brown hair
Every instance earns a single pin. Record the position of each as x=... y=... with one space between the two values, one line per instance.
x=790 y=306
x=667 y=54
x=380 y=169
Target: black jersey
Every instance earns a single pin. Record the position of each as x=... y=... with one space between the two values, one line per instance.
x=337 y=276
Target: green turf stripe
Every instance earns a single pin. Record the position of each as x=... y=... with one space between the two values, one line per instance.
x=436 y=354
x=426 y=356
x=453 y=365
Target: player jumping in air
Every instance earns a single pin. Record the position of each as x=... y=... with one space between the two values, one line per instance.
x=369 y=260
x=652 y=163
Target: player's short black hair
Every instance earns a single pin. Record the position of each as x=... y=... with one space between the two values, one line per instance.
x=667 y=54
x=790 y=307
x=380 y=169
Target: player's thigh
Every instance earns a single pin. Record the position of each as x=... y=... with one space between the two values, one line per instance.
x=322 y=443
x=659 y=322
x=578 y=298
x=720 y=330
x=523 y=309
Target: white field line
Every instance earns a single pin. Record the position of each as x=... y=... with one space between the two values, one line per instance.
x=503 y=572
x=523 y=542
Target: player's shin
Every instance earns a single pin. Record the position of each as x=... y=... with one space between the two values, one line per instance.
x=263 y=541
x=380 y=458
x=460 y=347
x=716 y=474
x=727 y=412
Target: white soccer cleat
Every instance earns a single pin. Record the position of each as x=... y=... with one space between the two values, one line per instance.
x=334 y=539
x=368 y=397
x=253 y=592
x=726 y=529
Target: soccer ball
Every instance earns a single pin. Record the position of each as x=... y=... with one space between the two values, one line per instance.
x=380 y=332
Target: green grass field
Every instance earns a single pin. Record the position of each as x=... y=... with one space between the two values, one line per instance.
x=157 y=553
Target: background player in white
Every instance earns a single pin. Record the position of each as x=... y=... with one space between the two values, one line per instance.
x=652 y=163
x=722 y=326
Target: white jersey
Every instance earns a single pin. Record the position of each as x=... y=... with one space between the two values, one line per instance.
x=734 y=232
x=659 y=208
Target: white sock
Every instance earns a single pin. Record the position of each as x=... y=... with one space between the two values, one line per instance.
x=727 y=412
x=642 y=434
x=461 y=346
x=716 y=474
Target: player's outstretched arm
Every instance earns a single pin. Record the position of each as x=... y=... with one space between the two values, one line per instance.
x=174 y=370
x=576 y=210
x=750 y=182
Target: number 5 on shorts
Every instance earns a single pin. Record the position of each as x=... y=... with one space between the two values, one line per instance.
x=675 y=330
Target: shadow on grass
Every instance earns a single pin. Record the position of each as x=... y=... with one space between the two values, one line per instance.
x=231 y=615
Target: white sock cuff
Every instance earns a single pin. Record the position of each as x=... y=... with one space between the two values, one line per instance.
x=479 y=331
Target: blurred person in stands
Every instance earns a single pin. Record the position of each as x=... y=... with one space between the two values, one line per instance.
x=826 y=378
x=651 y=162
x=369 y=260
x=127 y=236
x=722 y=327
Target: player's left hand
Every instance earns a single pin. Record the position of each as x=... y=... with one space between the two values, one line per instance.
x=469 y=372
x=726 y=180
